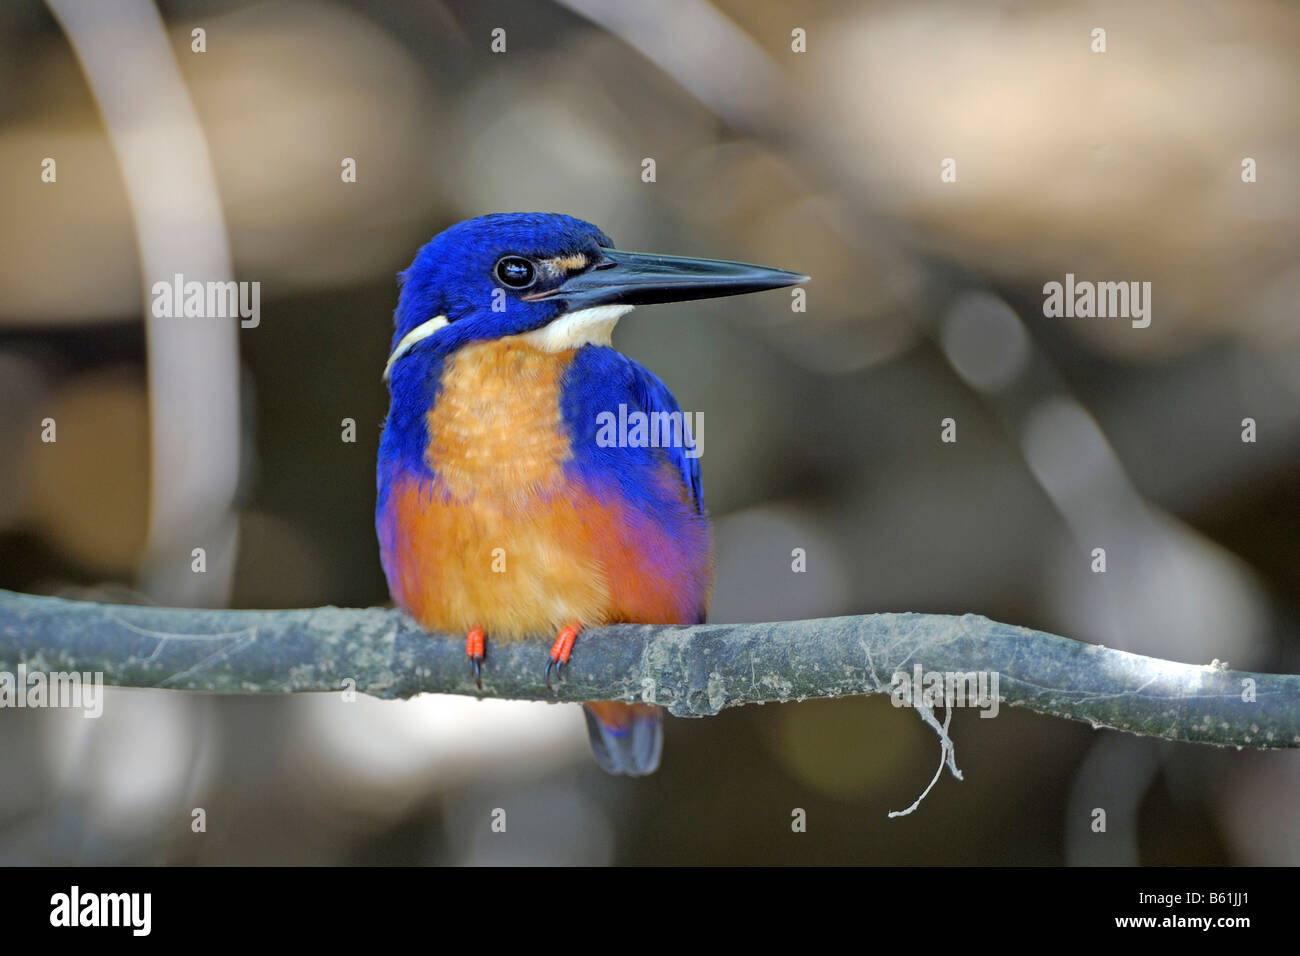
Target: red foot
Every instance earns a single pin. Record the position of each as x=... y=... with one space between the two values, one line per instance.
x=560 y=651
x=474 y=650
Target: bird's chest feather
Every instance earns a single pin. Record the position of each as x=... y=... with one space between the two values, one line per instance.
x=506 y=537
x=496 y=431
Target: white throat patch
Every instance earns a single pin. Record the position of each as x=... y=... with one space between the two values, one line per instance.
x=573 y=330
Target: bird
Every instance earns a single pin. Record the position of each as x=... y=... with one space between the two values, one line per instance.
x=502 y=511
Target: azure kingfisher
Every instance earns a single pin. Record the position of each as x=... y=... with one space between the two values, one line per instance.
x=500 y=514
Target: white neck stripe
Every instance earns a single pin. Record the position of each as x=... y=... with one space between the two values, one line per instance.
x=417 y=334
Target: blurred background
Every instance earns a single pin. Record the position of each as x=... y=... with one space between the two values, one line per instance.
x=808 y=136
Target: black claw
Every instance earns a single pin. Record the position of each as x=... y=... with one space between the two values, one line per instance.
x=477 y=663
x=549 y=664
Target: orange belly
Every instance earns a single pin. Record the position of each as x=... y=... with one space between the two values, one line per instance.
x=502 y=538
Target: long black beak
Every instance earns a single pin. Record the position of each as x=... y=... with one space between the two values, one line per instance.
x=635 y=278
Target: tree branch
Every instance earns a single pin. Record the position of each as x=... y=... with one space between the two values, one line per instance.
x=693 y=671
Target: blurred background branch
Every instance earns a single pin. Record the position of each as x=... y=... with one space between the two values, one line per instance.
x=193 y=367
x=693 y=671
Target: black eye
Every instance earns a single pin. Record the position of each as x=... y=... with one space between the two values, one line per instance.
x=515 y=272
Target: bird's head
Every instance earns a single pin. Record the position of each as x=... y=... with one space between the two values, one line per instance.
x=553 y=278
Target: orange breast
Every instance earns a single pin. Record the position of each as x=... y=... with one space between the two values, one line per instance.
x=503 y=538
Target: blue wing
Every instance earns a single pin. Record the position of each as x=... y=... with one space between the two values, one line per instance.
x=655 y=397
x=598 y=381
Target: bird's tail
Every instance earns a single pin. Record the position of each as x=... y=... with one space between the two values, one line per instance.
x=626 y=738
